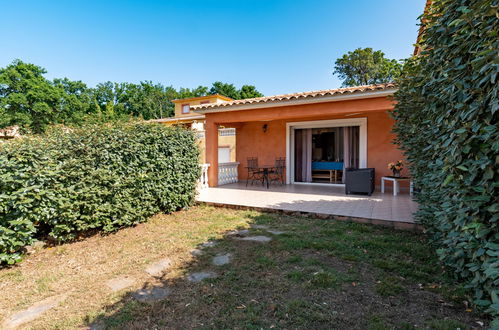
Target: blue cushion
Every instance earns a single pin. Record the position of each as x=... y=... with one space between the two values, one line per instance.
x=327 y=165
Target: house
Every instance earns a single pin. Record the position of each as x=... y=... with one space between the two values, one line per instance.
x=185 y=117
x=9 y=133
x=317 y=132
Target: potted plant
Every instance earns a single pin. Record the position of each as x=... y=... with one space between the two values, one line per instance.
x=396 y=168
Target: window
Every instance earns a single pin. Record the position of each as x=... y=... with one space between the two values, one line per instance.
x=226 y=131
x=186 y=108
x=224 y=154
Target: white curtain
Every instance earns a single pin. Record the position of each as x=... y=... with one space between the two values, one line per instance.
x=307 y=155
x=303 y=154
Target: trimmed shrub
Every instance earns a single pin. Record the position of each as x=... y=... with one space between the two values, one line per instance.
x=92 y=178
x=446 y=122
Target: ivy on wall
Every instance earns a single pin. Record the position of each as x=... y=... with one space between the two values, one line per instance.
x=92 y=178
x=446 y=122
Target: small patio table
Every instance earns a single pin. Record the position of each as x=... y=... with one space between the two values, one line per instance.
x=266 y=169
x=396 y=180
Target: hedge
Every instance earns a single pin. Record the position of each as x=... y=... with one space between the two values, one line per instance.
x=92 y=178
x=446 y=122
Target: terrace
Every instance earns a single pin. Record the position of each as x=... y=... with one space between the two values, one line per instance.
x=319 y=200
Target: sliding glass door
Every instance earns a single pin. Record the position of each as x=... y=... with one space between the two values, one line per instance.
x=322 y=154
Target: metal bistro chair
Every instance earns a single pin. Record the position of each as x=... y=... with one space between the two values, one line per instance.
x=277 y=175
x=254 y=172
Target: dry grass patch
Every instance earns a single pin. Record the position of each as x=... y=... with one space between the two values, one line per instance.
x=315 y=274
x=82 y=268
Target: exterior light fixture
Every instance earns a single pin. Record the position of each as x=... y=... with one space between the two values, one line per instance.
x=264 y=128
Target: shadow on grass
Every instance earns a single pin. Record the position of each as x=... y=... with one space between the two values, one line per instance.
x=312 y=274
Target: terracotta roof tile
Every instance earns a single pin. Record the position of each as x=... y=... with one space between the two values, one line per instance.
x=294 y=96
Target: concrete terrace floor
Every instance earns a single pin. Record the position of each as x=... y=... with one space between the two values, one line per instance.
x=327 y=200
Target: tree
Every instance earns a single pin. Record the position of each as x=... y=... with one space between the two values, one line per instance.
x=184 y=93
x=224 y=89
x=148 y=100
x=76 y=100
x=229 y=90
x=30 y=100
x=364 y=66
x=104 y=94
x=249 y=91
x=27 y=98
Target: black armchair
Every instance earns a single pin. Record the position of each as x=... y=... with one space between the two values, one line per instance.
x=359 y=180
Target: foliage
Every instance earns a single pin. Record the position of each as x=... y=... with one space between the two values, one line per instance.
x=26 y=97
x=248 y=92
x=92 y=178
x=229 y=90
x=146 y=99
x=184 y=93
x=364 y=66
x=33 y=102
x=446 y=122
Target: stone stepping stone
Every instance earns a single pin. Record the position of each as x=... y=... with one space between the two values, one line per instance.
x=151 y=294
x=158 y=268
x=119 y=283
x=276 y=232
x=260 y=239
x=32 y=312
x=208 y=244
x=241 y=232
x=266 y=228
x=200 y=276
x=222 y=259
x=260 y=226
x=197 y=252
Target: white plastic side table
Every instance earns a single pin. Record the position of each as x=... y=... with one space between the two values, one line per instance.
x=396 y=186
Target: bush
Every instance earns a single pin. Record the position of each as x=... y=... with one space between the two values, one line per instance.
x=446 y=122
x=92 y=178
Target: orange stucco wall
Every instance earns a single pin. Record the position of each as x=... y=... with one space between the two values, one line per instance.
x=253 y=142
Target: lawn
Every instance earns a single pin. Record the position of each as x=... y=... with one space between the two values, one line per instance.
x=312 y=274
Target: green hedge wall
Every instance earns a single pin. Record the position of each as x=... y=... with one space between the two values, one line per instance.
x=92 y=178
x=446 y=122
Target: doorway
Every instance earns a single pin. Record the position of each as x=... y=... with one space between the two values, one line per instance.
x=318 y=152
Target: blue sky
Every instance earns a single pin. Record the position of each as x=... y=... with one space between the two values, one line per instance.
x=278 y=46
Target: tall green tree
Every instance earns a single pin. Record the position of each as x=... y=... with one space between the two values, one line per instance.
x=364 y=66
x=184 y=93
x=27 y=98
x=30 y=100
x=225 y=89
x=218 y=87
x=105 y=95
x=146 y=99
x=76 y=100
x=249 y=91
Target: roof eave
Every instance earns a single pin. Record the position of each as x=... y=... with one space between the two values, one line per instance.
x=297 y=101
x=219 y=96
x=177 y=119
